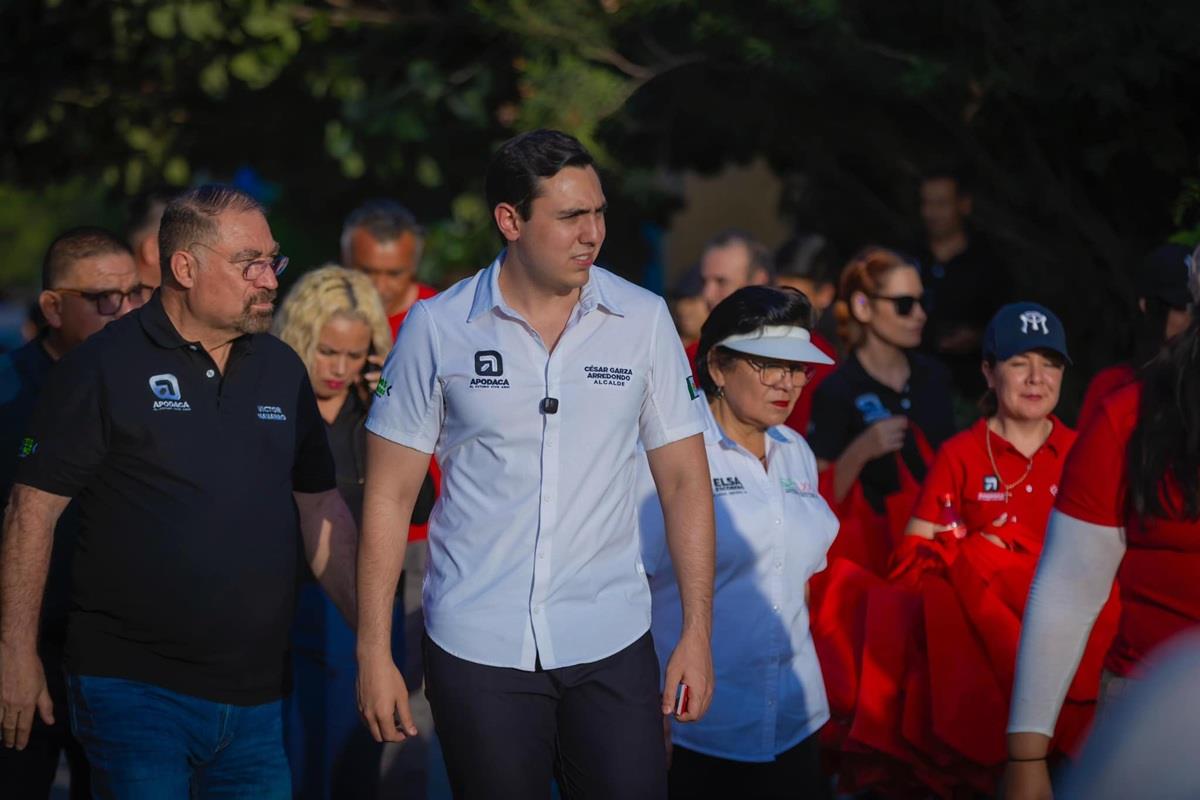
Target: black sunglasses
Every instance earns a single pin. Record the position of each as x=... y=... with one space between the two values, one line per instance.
x=904 y=303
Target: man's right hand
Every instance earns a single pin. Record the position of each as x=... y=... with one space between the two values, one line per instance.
x=22 y=691
x=383 y=699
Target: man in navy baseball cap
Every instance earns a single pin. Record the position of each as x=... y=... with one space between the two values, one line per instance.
x=1021 y=327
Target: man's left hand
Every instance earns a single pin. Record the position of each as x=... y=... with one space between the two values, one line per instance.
x=691 y=663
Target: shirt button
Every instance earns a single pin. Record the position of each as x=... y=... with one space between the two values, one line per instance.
x=542 y=554
x=549 y=443
x=778 y=565
x=537 y=609
x=775 y=608
x=193 y=347
x=210 y=373
x=778 y=522
x=1028 y=488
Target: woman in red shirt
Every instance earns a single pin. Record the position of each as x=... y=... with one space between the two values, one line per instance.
x=940 y=637
x=1130 y=502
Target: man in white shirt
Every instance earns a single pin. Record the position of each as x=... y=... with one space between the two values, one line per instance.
x=534 y=383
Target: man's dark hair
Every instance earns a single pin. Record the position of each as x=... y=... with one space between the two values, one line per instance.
x=760 y=254
x=386 y=220
x=516 y=171
x=191 y=217
x=950 y=170
x=144 y=211
x=805 y=255
x=746 y=310
x=75 y=245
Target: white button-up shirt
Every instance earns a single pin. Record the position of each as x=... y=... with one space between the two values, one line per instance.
x=773 y=531
x=533 y=547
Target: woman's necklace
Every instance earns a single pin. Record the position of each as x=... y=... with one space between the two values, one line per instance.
x=1008 y=487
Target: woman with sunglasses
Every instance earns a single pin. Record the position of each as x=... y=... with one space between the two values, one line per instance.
x=333 y=318
x=758 y=738
x=878 y=418
x=1129 y=506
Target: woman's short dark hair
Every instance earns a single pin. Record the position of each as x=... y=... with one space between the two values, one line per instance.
x=519 y=165
x=746 y=310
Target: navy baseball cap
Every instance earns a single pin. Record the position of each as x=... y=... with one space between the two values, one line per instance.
x=1163 y=274
x=1020 y=327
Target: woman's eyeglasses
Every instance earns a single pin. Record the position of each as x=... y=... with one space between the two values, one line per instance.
x=904 y=303
x=109 y=303
x=771 y=373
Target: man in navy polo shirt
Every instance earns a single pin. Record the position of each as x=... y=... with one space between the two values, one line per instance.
x=534 y=382
x=194 y=446
x=88 y=280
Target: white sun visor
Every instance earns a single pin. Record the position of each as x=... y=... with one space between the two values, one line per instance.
x=784 y=342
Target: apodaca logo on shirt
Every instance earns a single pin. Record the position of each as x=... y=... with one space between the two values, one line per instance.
x=166 y=388
x=489 y=366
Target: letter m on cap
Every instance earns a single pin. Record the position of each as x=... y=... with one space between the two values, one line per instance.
x=488 y=363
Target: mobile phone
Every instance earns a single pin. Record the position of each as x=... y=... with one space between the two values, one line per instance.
x=681 y=699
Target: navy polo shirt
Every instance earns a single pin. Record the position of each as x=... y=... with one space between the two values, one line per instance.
x=189 y=544
x=849 y=401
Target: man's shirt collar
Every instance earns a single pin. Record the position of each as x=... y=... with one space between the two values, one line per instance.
x=598 y=292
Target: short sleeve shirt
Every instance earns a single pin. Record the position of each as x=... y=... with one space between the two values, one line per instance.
x=188 y=551
x=533 y=538
x=773 y=531
x=963 y=470
x=1160 y=593
x=849 y=401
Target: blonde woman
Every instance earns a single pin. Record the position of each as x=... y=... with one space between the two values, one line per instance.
x=333 y=318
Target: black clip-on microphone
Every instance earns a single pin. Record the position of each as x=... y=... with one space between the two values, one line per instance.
x=549 y=405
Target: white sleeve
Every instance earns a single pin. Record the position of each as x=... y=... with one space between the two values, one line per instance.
x=407 y=408
x=1074 y=578
x=671 y=409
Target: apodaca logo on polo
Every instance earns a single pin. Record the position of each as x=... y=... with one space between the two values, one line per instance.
x=166 y=388
x=489 y=366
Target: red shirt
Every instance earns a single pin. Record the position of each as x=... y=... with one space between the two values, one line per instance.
x=1104 y=383
x=802 y=412
x=396 y=320
x=963 y=470
x=418 y=532
x=1160 y=574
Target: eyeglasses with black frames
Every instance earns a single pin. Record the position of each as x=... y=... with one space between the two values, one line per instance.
x=110 y=302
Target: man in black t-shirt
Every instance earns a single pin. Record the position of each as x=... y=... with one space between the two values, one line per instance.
x=193 y=445
x=965 y=281
x=88 y=280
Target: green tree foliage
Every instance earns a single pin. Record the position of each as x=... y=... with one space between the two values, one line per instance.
x=1077 y=119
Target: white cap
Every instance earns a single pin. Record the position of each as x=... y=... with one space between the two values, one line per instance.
x=784 y=342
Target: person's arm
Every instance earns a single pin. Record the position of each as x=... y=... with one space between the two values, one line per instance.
x=680 y=471
x=402 y=430
x=28 y=537
x=1074 y=578
x=394 y=476
x=330 y=545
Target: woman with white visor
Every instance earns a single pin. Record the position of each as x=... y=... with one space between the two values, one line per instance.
x=758 y=738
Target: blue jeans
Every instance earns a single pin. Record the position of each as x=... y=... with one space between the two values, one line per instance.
x=143 y=741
